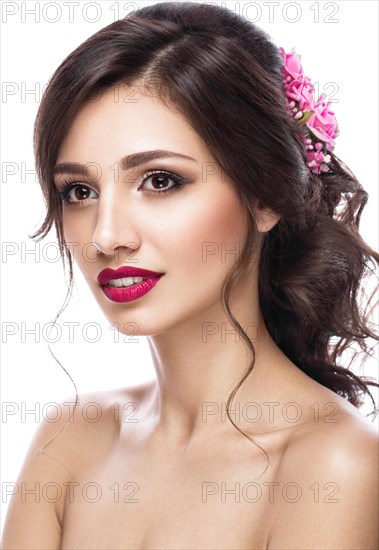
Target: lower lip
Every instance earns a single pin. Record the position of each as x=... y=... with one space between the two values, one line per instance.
x=130 y=293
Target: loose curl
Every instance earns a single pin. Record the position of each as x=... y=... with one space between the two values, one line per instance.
x=223 y=74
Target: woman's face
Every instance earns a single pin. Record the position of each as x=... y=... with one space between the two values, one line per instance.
x=192 y=234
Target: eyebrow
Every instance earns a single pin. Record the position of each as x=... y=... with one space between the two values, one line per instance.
x=130 y=161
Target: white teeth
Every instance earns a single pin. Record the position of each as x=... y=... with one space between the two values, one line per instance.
x=126 y=281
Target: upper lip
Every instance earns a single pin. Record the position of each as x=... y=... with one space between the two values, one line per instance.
x=125 y=271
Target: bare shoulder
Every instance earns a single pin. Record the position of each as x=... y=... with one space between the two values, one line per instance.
x=88 y=425
x=73 y=436
x=337 y=425
x=94 y=422
x=331 y=470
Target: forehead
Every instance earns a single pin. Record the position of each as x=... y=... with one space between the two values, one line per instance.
x=123 y=120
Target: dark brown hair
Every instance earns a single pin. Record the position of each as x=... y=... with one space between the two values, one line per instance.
x=223 y=74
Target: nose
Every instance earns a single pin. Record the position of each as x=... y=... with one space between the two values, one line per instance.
x=115 y=226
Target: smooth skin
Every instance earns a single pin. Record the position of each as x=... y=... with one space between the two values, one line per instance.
x=182 y=476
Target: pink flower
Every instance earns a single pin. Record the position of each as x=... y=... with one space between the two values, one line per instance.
x=322 y=123
x=317 y=162
x=292 y=64
x=317 y=121
x=302 y=93
x=299 y=90
x=306 y=97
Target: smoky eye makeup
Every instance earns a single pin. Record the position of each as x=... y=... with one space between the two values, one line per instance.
x=156 y=182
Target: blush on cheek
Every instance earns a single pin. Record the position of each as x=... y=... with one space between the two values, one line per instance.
x=227 y=220
x=213 y=233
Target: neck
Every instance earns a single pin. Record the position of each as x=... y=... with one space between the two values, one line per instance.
x=199 y=363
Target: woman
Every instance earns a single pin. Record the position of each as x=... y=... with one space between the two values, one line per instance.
x=181 y=146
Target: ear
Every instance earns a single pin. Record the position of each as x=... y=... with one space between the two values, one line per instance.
x=265 y=218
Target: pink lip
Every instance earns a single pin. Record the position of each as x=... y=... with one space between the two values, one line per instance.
x=128 y=294
x=124 y=271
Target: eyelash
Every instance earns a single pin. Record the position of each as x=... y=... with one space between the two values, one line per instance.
x=179 y=182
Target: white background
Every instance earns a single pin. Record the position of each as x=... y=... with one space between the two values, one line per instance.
x=337 y=42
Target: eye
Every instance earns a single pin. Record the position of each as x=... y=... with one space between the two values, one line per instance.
x=160 y=182
x=76 y=193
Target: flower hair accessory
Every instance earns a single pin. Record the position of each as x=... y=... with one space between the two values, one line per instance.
x=318 y=123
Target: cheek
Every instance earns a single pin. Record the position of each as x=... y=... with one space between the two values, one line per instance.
x=208 y=232
x=78 y=230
